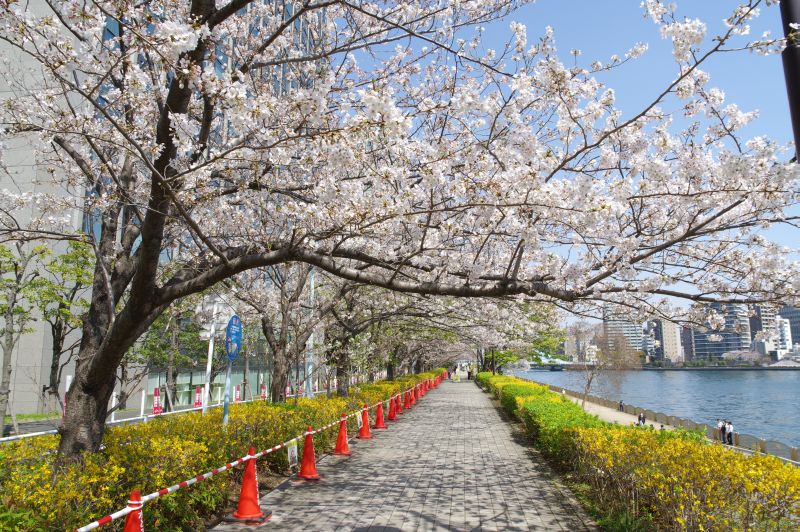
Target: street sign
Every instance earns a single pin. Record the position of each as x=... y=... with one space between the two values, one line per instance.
x=233 y=338
x=157 y=408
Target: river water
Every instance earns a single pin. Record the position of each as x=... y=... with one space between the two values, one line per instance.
x=762 y=403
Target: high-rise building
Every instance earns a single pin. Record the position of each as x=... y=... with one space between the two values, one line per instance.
x=734 y=335
x=687 y=342
x=783 y=340
x=792 y=314
x=762 y=319
x=617 y=328
x=667 y=336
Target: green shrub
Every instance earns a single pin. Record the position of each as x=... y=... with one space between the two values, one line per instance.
x=510 y=395
x=550 y=419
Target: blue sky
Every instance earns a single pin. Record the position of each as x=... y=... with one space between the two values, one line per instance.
x=601 y=29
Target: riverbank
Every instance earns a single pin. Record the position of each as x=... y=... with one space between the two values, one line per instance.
x=608 y=410
x=761 y=403
x=651 y=479
x=615 y=415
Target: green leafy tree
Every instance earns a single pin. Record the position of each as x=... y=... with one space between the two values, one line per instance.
x=19 y=280
x=172 y=342
x=59 y=296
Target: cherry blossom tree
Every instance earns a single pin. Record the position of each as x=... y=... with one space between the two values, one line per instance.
x=278 y=298
x=385 y=144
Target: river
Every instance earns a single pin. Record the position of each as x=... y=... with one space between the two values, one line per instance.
x=762 y=403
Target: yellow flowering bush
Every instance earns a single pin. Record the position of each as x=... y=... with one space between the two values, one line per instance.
x=687 y=484
x=666 y=480
x=162 y=452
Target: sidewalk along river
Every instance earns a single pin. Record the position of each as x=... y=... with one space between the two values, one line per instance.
x=761 y=403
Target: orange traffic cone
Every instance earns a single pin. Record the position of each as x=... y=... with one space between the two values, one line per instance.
x=413 y=396
x=399 y=401
x=379 y=422
x=249 y=509
x=342 y=449
x=392 y=410
x=364 y=433
x=407 y=399
x=134 y=522
x=308 y=466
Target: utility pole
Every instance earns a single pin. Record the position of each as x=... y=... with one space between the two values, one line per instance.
x=309 y=373
x=790 y=14
x=207 y=394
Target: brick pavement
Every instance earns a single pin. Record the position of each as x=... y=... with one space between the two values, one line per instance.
x=450 y=463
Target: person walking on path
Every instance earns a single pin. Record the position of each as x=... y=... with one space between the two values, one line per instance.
x=621 y=406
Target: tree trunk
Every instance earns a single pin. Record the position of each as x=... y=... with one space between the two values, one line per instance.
x=246 y=373
x=85 y=416
x=54 y=379
x=390 y=370
x=123 y=378
x=342 y=373
x=280 y=375
x=171 y=385
x=102 y=349
x=589 y=378
x=5 y=380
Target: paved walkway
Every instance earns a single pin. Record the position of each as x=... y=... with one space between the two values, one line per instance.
x=615 y=416
x=450 y=463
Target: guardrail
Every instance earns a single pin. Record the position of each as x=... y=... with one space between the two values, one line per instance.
x=745 y=443
x=140 y=418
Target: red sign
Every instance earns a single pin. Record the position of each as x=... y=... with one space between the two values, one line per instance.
x=198 y=397
x=157 y=408
x=238 y=396
x=263 y=391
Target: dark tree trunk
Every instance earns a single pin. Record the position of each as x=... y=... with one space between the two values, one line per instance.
x=390 y=370
x=342 y=373
x=95 y=375
x=280 y=376
x=246 y=373
x=170 y=386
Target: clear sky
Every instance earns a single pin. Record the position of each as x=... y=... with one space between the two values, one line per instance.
x=602 y=28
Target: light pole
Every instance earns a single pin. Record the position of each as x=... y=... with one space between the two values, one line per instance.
x=310 y=343
x=790 y=14
x=206 y=395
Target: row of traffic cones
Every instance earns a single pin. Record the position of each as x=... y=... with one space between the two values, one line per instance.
x=249 y=510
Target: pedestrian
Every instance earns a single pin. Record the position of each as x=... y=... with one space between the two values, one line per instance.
x=729 y=432
x=644 y=418
x=722 y=431
x=621 y=406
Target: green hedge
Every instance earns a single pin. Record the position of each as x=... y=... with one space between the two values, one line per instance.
x=164 y=451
